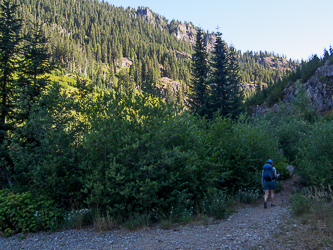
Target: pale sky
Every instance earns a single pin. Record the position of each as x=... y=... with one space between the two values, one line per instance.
x=295 y=28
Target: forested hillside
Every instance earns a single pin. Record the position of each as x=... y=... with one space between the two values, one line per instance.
x=91 y=38
x=302 y=74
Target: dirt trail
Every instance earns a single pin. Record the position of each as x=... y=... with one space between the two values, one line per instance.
x=251 y=227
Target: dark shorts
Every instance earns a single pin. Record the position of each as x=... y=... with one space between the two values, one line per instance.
x=269 y=185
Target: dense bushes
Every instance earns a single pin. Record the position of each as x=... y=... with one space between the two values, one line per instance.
x=133 y=154
x=315 y=155
x=126 y=156
x=25 y=213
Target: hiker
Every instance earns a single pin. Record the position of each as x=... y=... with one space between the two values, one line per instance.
x=268 y=181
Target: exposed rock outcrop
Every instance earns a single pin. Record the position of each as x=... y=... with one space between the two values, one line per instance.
x=167 y=83
x=146 y=14
x=319 y=89
x=188 y=32
x=167 y=87
x=182 y=55
x=124 y=62
x=275 y=62
x=182 y=31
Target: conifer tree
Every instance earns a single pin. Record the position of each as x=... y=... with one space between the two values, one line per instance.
x=197 y=96
x=220 y=98
x=9 y=48
x=34 y=66
x=10 y=27
x=237 y=94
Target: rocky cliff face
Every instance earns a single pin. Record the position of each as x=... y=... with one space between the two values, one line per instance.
x=168 y=87
x=188 y=33
x=146 y=14
x=183 y=31
x=319 y=89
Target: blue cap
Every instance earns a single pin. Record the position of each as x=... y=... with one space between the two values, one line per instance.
x=270 y=161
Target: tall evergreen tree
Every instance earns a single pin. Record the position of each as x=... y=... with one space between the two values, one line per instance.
x=237 y=93
x=9 y=48
x=220 y=98
x=34 y=66
x=198 y=88
x=10 y=39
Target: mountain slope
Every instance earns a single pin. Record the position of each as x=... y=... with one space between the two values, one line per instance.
x=92 y=38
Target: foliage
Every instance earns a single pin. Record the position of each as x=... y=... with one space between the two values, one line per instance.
x=90 y=38
x=104 y=223
x=302 y=138
x=49 y=163
x=34 y=69
x=300 y=203
x=22 y=212
x=137 y=221
x=215 y=90
x=198 y=88
x=315 y=155
x=309 y=68
x=141 y=170
x=247 y=196
x=78 y=218
x=263 y=67
x=240 y=152
x=314 y=206
x=287 y=125
x=314 y=200
x=215 y=204
x=221 y=87
x=237 y=93
x=279 y=186
x=10 y=40
x=274 y=92
x=130 y=154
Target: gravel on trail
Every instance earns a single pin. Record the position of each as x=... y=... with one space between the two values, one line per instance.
x=251 y=227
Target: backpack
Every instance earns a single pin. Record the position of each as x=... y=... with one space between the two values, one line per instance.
x=269 y=173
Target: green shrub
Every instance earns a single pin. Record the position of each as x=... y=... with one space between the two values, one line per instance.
x=134 y=154
x=327 y=117
x=316 y=204
x=25 y=213
x=281 y=168
x=78 y=218
x=215 y=204
x=315 y=155
x=300 y=203
x=248 y=196
x=308 y=69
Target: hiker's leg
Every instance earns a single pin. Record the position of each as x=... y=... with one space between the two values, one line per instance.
x=272 y=196
x=266 y=194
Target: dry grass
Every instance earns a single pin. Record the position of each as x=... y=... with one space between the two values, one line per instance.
x=311 y=227
x=104 y=223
